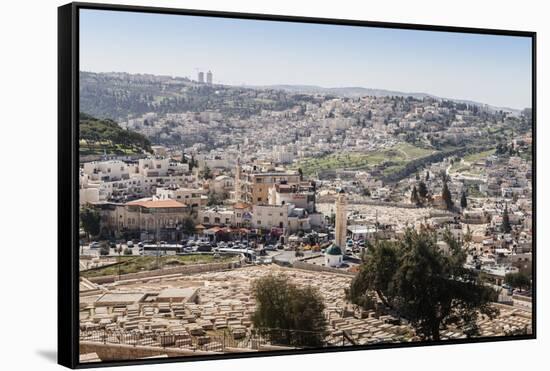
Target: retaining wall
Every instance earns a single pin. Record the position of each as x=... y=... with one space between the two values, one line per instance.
x=121 y=352
x=184 y=269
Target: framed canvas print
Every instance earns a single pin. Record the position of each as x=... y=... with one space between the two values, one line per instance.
x=245 y=185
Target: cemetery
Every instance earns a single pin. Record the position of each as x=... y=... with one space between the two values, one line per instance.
x=210 y=313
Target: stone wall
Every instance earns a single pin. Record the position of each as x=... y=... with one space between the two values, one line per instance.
x=121 y=352
x=319 y=268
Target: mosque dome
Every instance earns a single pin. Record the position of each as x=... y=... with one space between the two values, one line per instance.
x=334 y=250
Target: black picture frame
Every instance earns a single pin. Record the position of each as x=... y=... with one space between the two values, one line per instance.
x=68 y=167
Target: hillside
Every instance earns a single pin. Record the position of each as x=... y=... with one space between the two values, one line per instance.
x=357 y=91
x=98 y=136
x=119 y=95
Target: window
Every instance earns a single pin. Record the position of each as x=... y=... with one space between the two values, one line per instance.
x=259 y=222
x=259 y=199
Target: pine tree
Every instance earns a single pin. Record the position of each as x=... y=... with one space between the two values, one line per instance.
x=428 y=288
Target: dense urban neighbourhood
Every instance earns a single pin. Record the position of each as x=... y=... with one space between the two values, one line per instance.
x=195 y=195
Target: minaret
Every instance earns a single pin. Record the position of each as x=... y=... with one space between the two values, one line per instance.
x=341 y=220
x=238 y=181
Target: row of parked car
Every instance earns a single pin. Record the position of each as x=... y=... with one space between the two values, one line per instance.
x=188 y=246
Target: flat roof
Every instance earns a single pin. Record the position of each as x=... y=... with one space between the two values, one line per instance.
x=120 y=298
x=156 y=204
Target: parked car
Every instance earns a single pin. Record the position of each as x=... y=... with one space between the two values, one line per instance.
x=94 y=245
x=130 y=243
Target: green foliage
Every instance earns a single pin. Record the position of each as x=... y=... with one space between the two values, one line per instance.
x=414 y=196
x=518 y=280
x=447 y=197
x=365 y=192
x=128 y=251
x=188 y=226
x=397 y=157
x=213 y=199
x=192 y=163
x=430 y=289
x=90 y=221
x=296 y=313
x=206 y=173
x=506 y=227
x=109 y=136
x=138 y=263
x=104 y=250
x=105 y=95
x=463 y=201
x=422 y=190
x=375 y=275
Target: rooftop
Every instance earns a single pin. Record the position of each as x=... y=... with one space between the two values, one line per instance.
x=156 y=204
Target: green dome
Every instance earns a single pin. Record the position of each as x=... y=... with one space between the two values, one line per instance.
x=334 y=250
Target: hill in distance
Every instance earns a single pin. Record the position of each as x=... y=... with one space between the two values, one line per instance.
x=357 y=91
x=99 y=136
x=118 y=95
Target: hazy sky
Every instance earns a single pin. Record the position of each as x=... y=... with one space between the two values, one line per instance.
x=484 y=68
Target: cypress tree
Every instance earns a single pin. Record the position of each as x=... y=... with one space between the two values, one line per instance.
x=414 y=196
x=506 y=227
x=447 y=198
x=463 y=201
x=422 y=190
